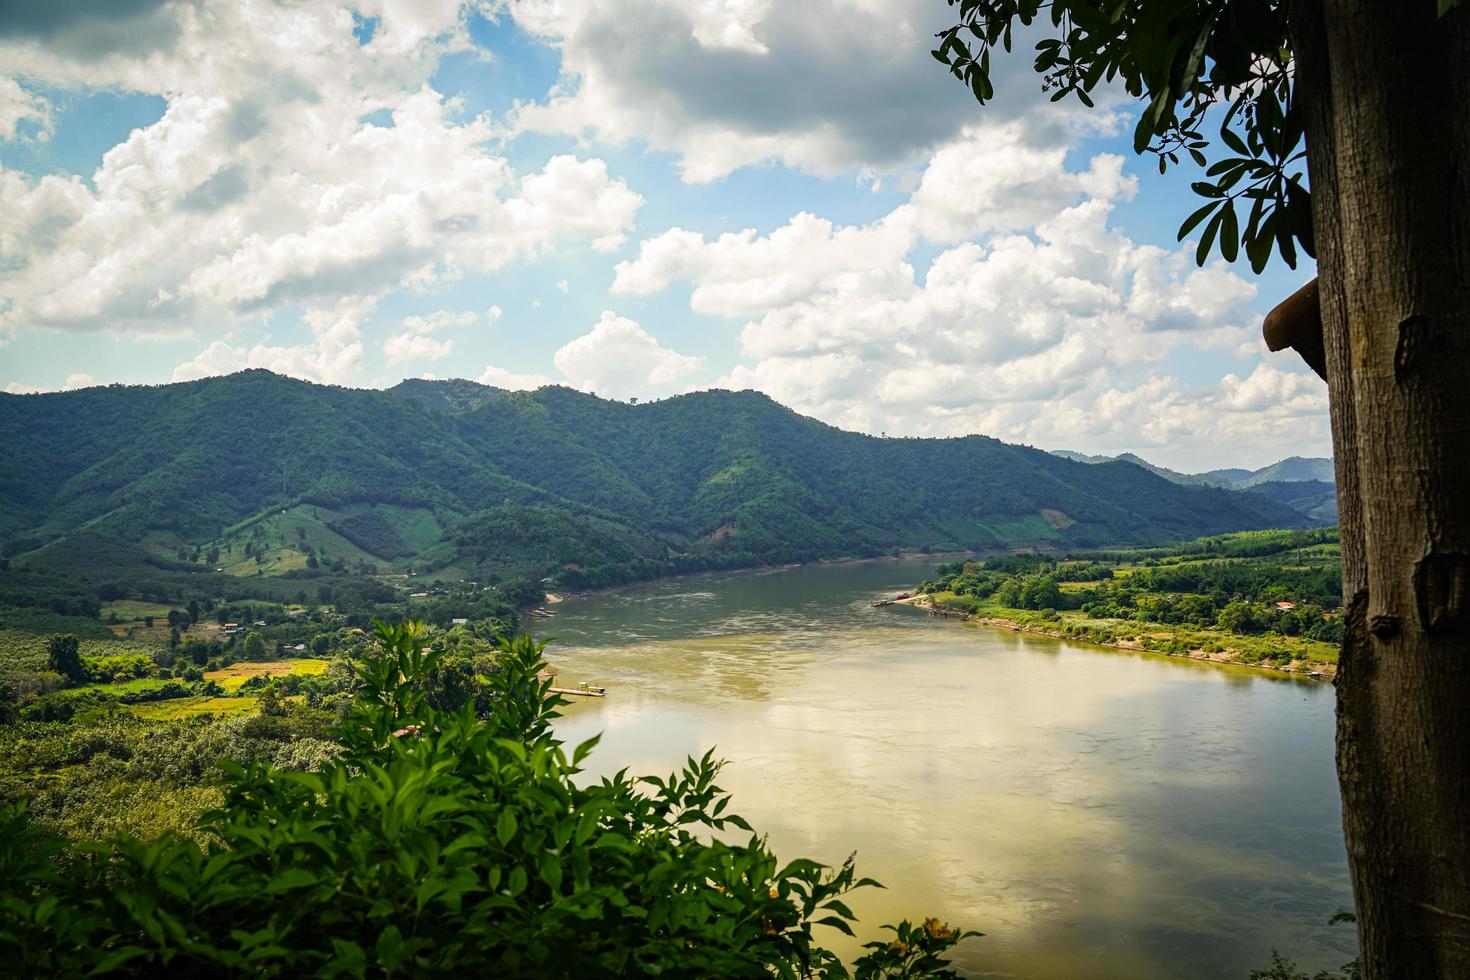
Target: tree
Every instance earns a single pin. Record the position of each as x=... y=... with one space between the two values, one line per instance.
x=1238 y=617
x=254 y=646
x=1009 y=593
x=63 y=656
x=1040 y=592
x=1374 y=97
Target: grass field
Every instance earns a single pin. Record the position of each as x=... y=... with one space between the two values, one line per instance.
x=132 y=687
x=129 y=610
x=233 y=677
x=281 y=538
x=192 y=707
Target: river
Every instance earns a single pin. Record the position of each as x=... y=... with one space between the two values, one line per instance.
x=1096 y=813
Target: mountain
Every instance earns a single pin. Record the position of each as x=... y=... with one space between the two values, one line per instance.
x=1293 y=469
x=1315 y=498
x=1305 y=484
x=258 y=474
x=1173 y=476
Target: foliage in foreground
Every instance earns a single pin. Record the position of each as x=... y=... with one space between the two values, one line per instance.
x=437 y=843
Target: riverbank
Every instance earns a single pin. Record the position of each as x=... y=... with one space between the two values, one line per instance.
x=1309 y=669
x=552 y=598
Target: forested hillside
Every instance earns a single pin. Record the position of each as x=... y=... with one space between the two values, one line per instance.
x=257 y=474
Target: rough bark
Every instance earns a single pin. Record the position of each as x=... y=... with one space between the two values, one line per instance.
x=1388 y=144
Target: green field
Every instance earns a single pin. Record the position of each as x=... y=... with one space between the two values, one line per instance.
x=233 y=677
x=279 y=541
x=131 y=610
x=193 y=707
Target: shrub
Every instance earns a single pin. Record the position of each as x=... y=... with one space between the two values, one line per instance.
x=437 y=843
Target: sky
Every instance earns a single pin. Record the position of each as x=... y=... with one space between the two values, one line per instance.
x=636 y=198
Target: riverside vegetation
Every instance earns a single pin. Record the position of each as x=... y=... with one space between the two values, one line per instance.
x=438 y=829
x=1264 y=598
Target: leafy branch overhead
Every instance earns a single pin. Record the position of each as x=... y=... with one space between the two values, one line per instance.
x=1222 y=65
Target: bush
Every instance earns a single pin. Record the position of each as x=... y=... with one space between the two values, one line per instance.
x=437 y=843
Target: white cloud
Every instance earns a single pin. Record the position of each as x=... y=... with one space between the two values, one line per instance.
x=501 y=378
x=619 y=359
x=334 y=355
x=262 y=189
x=18 y=106
x=822 y=85
x=1037 y=321
x=77 y=379
x=415 y=341
x=416 y=347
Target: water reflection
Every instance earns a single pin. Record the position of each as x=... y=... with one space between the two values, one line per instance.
x=1097 y=814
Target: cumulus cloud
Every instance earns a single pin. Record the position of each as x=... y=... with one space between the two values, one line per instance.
x=416 y=340
x=511 y=381
x=266 y=186
x=1270 y=413
x=77 y=379
x=822 y=85
x=19 y=106
x=619 y=359
x=1037 y=320
x=333 y=356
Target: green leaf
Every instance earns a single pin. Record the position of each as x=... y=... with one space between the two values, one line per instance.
x=839 y=924
x=1194 y=219
x=1229 y=233
x=289 y=879
x=1212 y=227
x=505 y=826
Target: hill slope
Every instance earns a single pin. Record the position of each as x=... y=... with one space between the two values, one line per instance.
x=1306 y=484
x=273 y=472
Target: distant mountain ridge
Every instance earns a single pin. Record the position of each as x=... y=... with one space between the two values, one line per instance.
x=1307 y=484
x=270 y=474
x=1293 y=469
x=1211 y=479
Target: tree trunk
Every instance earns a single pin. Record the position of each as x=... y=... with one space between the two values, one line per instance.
x=1387 y=88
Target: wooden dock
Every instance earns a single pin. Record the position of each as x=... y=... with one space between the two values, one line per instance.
x=586 y=692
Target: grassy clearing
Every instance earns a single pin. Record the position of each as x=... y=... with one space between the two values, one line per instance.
x=139 y=686
x=284 y=538
x=192 y=707
x=129 y=610
x=233 y=677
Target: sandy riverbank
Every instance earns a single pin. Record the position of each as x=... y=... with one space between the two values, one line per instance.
x=1311 y=670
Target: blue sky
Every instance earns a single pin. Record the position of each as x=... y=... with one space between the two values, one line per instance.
x=632 y=197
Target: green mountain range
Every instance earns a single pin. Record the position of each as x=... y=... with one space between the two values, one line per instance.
x=255 y=474
x=1305 y=484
